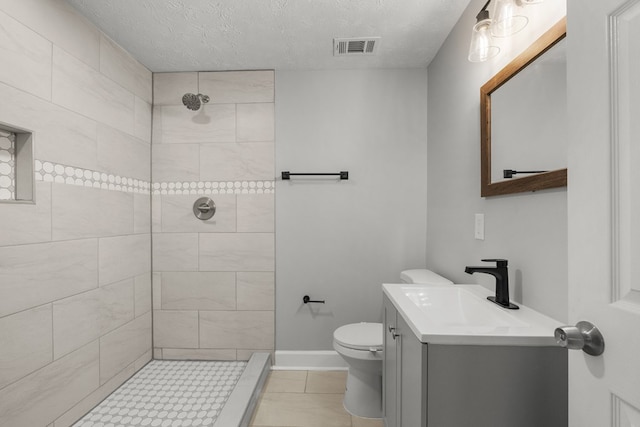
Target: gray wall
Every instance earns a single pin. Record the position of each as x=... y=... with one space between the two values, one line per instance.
x=75 y=282
x=529 y=229
x=338 y=241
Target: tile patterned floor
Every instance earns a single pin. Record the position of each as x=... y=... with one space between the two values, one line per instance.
x=306 y=399
x=168 y=393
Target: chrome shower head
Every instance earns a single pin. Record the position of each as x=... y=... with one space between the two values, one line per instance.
x=194 y=102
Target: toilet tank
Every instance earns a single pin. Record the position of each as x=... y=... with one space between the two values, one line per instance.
x=423 y=276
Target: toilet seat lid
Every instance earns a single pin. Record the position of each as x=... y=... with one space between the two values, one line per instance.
x=359 y=336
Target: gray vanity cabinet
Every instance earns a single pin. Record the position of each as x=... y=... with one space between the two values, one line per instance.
x=431 y=385
x=404 y=372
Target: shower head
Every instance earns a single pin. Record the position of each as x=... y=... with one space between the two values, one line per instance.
x=194 y=102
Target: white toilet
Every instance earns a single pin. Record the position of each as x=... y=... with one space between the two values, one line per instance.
x=360 y=345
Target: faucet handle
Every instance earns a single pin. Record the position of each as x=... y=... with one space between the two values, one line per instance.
x=499 y=262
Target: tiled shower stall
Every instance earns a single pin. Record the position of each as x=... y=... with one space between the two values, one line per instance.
x=213 y=281
x=77 y=316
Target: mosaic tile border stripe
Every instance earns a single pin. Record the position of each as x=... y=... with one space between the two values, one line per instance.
x=213 y=187
x=63 y=174
x=7 y=165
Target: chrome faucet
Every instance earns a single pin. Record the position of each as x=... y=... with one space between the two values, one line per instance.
x=502 y=281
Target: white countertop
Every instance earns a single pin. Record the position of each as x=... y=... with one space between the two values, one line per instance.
x=461 y=315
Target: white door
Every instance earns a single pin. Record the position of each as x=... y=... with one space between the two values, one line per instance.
x=604 y=208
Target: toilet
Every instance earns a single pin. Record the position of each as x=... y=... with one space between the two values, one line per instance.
x=361 y=346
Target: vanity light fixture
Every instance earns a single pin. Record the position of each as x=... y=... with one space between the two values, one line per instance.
x=482 y=47
x=506 y=22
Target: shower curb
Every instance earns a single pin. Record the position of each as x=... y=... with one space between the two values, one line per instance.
x=238 y=409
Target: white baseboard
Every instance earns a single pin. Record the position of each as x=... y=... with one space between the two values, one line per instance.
x=309 y=361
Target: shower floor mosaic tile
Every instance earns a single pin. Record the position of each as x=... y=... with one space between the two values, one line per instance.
x=168 y=394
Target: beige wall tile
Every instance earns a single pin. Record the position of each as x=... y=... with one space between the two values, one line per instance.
x=175 y=251
x=175 y=329
x=256 y=213
x=84 y=90
x=58 y=22
x=123 y=346
x=212 y=123
x=43 y=396
x=236 y=329
x=26 y=343
x=29 y=55
x=237 y=252
x=65 y=137
x=31 y=275
x=177 y=214
x=142 y=117
x=122 y=154
x=255 y=291
x=237 y=162
x=76 y=321
x=60 y=135
x=93 y=399
x=82 y=318
x=157 y=353
x=121 y=67
x=198 y=291
x=141 y=361
x=27 y=223
x=82 y=212
x=175 y=162
x=142 y=294
x=123 y=257
x=197 y=354
x=237 y=86
x=157 y=290
x=141 y=213
x=156 y=213
x=286 y=382
x=168 y=88
x=156 y=124
x=256 y=122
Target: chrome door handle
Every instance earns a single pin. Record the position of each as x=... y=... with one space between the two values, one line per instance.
x=584 y=336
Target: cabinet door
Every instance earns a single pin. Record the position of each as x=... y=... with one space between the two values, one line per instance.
x=412 y=377
x=390 y=395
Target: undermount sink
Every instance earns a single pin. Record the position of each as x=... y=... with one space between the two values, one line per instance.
x=461 y=314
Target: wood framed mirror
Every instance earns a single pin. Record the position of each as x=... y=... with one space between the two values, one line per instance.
x=530 y=129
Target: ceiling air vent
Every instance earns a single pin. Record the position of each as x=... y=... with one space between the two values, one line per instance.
x=355 y=46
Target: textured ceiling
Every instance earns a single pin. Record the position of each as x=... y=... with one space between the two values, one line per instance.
x=199 y=35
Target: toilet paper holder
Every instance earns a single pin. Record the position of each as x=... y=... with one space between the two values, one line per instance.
x=307 y=299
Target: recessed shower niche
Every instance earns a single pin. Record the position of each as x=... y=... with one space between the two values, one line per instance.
x=16 y=165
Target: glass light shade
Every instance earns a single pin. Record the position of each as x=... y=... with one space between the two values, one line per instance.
x=482 y=47
x=506 y=21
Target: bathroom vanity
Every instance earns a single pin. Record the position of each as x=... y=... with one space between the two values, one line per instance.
x=454 y=359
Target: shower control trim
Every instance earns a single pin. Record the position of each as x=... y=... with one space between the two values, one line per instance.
x=204 y=208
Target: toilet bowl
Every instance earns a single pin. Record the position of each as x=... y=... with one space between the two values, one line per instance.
x=361 y=346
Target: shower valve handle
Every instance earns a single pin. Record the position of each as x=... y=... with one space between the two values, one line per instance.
x=204 y=208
